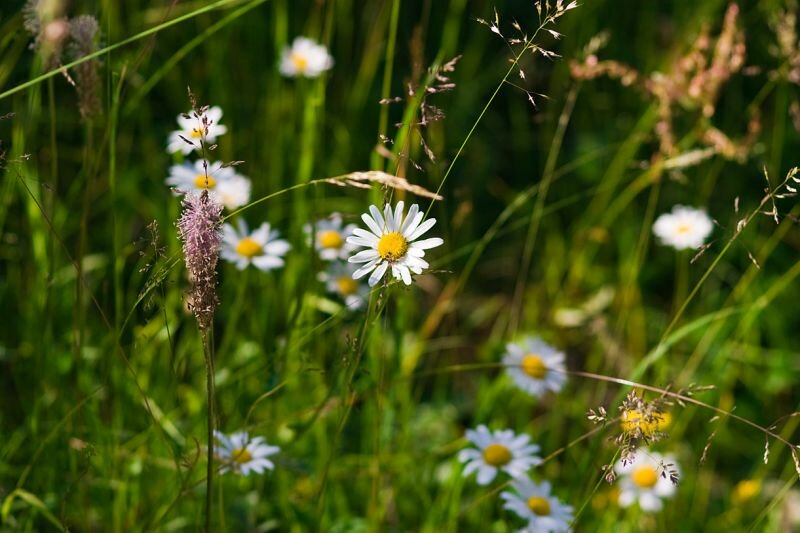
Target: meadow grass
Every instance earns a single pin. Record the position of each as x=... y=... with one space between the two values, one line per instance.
x=553 y=155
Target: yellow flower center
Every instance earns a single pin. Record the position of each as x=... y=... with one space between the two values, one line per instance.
x=746 y=490
x=330 y=239
x=241 y=456
x=533 y=365
x=496 y=455
x=203 y=182
x=346 y=285
x=683 y=229
x=247 y=247
x=645 y=477
x=392 y=246
x=197 y=133
x=540 y=506
x=300 y=62
x=633 y=419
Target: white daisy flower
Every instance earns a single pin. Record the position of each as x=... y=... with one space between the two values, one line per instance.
x=191 y=129
x=645 y=481
x=535 y=366
x=261 y=247
x=338 y=279
x=498 y=450
x=305 y=58
x=330 y=238
x=533 y=502
x=391 y=243
x=223 y=183
x=685 y=227
x=243 y=455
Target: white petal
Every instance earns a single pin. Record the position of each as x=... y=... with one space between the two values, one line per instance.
x=378 y=273
x=364 y=256
x=425 y=226
x=428 y=243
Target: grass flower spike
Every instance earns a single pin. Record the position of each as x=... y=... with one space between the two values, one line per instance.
x=684 y=228
x=338 y=279
x=392 y=242
x=498 y=450
x=199 y=232
x=645 y=480
x=330 y=238
x=535 y=366
x=305 y=58
x=191 y=130
x=222 y=183
x=533 y=502
x=243 y=455
x=261 y=247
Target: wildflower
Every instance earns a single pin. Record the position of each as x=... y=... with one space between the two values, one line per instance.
x=261 y=247
x=535 y=366
x=330 y=239
x=533 y=502
x=305 y=58
x=391 y=243
x=223 y=183
x=338 y=279
x=685 y=227
x=644 y=479
x=243 y=455
x=633 y=420
x=199 y=232
x=746 y=490
x=498 y=450
x=191 y=129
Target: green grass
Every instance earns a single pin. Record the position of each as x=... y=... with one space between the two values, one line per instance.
x=103 y=409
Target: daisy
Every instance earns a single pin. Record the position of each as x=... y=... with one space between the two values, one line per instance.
x=390 y=243
x=633 y=421
x=644 y=480
x=684 y=228
x=243 y=455
x=498 y=450
x=330 y=238
x=261 y=247
x=222 y=183
x=305 y=58
x=192 y=129
x=533 y=502
x=338 y=279
x=535 y=366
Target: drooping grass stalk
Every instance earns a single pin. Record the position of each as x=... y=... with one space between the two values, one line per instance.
x=536 y=213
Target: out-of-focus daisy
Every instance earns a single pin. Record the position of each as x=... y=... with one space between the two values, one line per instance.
x=533 y=502
x=685 y=227
x=192 y=129
x=330 y=238
x=392 y=242
x=305 y=58
x=746 y=490
x=262 y=247
x=535 y=366
x=633 y=420
x=645 y=480
x=338 y=279
x=222 y=183
x=498 y=450
x=242 y=455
